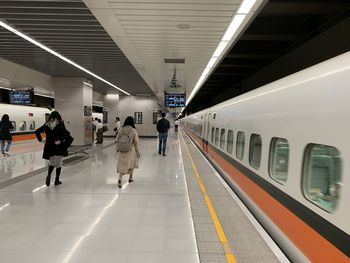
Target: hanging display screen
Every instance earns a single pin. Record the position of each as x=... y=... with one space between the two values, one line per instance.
x=174 y=100
x=21 y=97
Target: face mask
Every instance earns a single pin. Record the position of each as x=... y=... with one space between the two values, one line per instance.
x=52 y=124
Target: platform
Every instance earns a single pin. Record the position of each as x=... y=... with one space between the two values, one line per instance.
x=26 y=160
x=88 y=219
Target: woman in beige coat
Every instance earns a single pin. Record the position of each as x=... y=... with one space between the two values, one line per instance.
x=128 y=161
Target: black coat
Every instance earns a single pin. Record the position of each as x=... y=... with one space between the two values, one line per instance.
x=5 y=130
x=163 y=125
x=59 y=133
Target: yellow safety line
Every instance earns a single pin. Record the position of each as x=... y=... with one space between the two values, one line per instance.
x=230 y=257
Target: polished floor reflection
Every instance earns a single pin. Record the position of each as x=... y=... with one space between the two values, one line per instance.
x=88 y=219
x=26 y=157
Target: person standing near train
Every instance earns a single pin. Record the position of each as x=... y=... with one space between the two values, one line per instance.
x=58 y=139
x=5 y=134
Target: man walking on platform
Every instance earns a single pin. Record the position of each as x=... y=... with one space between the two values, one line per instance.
x=163 y=126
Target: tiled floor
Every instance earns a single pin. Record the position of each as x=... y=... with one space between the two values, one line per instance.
x=25 y=157
x=88 y=219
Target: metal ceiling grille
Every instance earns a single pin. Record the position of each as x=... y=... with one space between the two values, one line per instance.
x=69 y=28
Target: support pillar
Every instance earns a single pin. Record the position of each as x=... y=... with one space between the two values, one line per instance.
x=110 y=108
x=73 y=100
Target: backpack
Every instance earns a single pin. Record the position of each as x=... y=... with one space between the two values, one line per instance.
x=124 y=143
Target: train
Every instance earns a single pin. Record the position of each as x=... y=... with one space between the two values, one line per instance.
x=25 y=120
x=284 y=149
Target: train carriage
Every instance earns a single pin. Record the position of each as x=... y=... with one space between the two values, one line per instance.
x=284 y=149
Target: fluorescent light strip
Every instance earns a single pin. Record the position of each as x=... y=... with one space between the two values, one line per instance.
x=15 y=31
x=246 y=6
x=236 y=22
x=206 y=71
x=220 y=49
x=212 y=62
x=88 y=84
x=5 y=88
x=232 y=29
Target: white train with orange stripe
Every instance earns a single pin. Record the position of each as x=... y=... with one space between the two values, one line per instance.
x=25 y=119
x=285 y=150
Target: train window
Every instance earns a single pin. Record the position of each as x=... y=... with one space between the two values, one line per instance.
x=230 y=141
x=222 y=139
x=217 y=136
x=212 y=135
x=322 y=175
x=255 y=151
x=240 y=145
x=32 y=125
x=279 y=159
x=13 y=125
x=22 y=126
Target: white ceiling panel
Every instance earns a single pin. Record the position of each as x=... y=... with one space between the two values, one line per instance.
x=151 y=31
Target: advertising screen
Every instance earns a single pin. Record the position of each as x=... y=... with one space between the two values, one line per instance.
x=174 y=100
x=21 y=97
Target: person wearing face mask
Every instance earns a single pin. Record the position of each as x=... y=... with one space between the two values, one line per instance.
x=58 y=139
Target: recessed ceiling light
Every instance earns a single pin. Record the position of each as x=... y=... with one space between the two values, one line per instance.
x=183 y=26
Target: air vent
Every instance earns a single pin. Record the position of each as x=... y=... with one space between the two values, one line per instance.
x=174 y=60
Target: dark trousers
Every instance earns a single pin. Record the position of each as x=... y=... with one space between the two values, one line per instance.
x=163 y=136
x=99 y=136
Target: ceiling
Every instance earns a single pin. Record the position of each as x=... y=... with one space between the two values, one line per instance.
x=69 y=28
x=125 y=41
x=285 y=37
x=148 y=31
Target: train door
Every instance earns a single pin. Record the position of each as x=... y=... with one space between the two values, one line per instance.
x=206 y=133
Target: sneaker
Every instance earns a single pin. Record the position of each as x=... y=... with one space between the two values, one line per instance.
x=119 y=183
x=131 y=180
x=159 y=152
x=164 y=154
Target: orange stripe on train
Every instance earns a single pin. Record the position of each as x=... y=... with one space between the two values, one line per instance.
x=25 y=137
x=314 y=246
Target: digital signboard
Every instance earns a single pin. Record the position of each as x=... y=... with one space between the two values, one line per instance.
x=173 y=100
x=21 y=97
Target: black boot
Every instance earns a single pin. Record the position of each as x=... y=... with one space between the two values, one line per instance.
x=48 y=177
x=58 y=173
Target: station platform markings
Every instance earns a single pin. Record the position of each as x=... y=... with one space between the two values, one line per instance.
x=244 y=242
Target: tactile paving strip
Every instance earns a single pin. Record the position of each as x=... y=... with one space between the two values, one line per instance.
x=212 y=258
x=243 y=238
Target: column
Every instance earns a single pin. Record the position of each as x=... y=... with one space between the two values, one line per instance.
x=73 y=100
x=110 y=108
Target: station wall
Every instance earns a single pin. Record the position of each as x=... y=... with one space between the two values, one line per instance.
x=129 y=105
